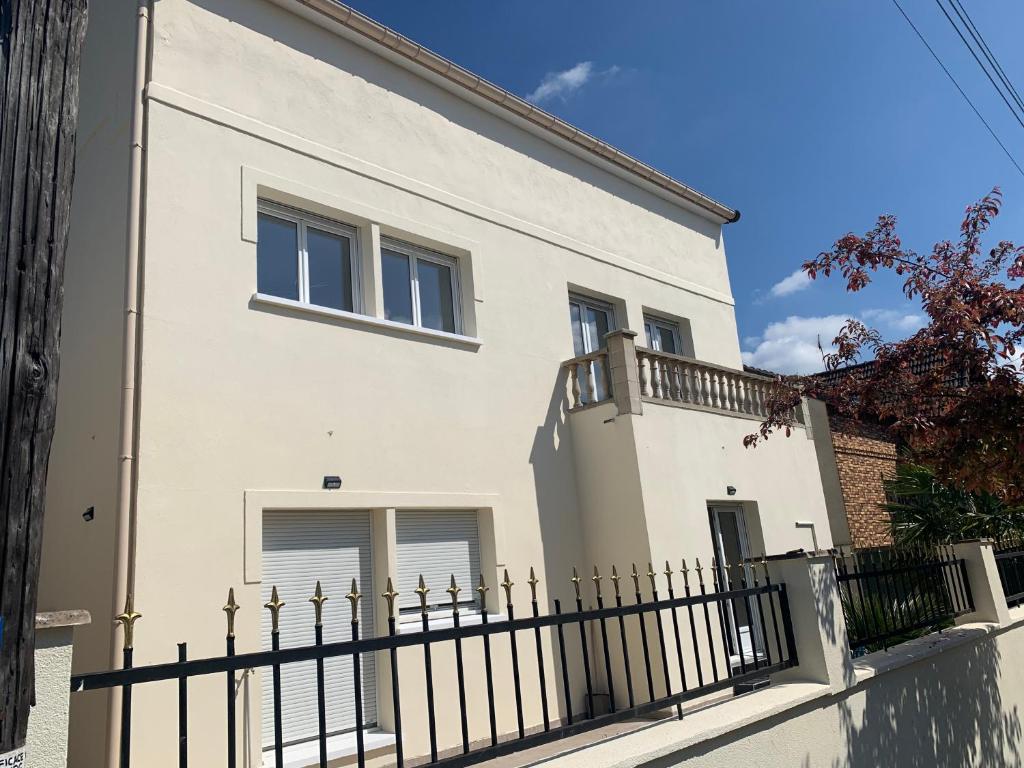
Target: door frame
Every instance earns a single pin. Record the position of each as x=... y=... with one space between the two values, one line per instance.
x=754 y=628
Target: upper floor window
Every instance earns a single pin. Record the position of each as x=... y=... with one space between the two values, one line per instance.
x=662 y=335
x=305 y=258
x=591 y=320
x=421 y=287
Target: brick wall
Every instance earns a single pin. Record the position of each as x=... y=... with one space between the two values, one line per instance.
x=863 y=458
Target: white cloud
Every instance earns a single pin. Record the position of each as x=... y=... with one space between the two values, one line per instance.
x=568 y=81
x=905 y=322
x=797 y=281
x=791 y=345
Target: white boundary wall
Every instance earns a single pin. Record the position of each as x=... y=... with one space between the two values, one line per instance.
x=950 y=699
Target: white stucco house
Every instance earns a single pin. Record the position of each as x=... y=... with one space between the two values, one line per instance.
x=347 y=257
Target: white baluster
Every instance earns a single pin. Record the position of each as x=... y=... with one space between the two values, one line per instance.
x=588 y=380
x=575 y=376
x=641 y=358
x=656 y=376
x=684 y=382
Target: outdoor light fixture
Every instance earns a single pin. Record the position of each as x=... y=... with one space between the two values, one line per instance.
x=332 y=482
x=89 y=514
x=731 y=490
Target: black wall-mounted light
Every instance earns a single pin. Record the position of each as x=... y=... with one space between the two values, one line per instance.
x=731 y=490
x=332 y=482
x=89 y=514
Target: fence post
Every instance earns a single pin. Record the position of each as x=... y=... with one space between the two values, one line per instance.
x=816 y=612
x=47 y=742
x=623 y=371
x=983 y=577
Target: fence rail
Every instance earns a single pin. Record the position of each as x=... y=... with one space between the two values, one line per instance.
x=692 y=634
x=890 y=595
x=1010 y=564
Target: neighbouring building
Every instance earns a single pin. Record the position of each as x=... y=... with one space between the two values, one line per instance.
x=382 y=318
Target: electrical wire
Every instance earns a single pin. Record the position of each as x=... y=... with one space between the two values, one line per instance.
x=961 y=90
x=976 y=34
x=984 y=69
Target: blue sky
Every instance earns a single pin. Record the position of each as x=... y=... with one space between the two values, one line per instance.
x=810 y=117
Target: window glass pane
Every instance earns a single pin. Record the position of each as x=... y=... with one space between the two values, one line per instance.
x=578 y=347
x=397 y=286
x=277 y=257
x=597 y=327
x=330 y=269
x=652 y=342
x=668 y=341
x=436 y=308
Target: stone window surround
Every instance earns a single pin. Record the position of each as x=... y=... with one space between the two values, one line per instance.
x=371 y=225
x=382 y=506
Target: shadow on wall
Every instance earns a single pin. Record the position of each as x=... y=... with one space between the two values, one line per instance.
x=946 y=713
x=561 y=534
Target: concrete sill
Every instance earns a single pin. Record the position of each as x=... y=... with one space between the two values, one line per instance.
x=343 y=745
x=262 y=299
x=411 y=626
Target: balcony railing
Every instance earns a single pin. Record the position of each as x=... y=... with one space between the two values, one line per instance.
x=589 y=382
x=685 y=381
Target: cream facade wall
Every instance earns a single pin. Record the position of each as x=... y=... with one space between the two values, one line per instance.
x=243 y=400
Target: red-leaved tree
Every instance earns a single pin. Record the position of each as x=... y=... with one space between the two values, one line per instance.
x=953 y=392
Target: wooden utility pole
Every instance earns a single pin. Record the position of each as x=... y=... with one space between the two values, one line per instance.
x=40 y=49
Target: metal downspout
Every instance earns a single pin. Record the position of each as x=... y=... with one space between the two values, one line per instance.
x=124 y=576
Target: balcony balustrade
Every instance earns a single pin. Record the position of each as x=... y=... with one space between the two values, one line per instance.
x=684 y=381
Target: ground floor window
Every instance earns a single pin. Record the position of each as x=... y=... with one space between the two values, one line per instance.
x=300 y=548
x=437 y=544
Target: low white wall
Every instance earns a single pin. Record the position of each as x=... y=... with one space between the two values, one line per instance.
x=47 y=743
x=953 y=700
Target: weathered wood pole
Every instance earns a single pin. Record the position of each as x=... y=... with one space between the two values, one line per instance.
x=40 y=49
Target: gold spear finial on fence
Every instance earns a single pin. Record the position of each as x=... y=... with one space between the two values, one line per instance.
x=507 y=585
x=422 y=591
x=652 y=576
x=714 y=571
x=353 y=597
x=127 y=619
x=533 y=581
x=390 y=596
x=454 y=590
x=274 y=606
x=576 y=581
x=231 y=608
x=615 y=580
x=482 y=590
x=636 y=579
x=668 y=574
x=596 y=578
x=686 y=573
x=699 y=570
x=318 y=599
x=764 y=564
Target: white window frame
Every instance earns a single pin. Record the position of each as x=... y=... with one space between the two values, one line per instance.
x=302 y=221
x=415 y=253
x=585 y=301
x=654 y=342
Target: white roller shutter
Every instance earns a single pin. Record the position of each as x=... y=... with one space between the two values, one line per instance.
x=437 y=544
x=298 y=549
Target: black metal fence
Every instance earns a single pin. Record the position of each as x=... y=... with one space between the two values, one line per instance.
x=1010 y=563
x=694 y=637
x=891 y=595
